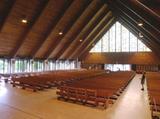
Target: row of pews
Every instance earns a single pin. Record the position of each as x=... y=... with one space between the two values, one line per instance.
x=153 y=85
x=45 y=80
x=99 y=90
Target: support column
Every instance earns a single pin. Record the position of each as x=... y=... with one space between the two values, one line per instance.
x=12 y=65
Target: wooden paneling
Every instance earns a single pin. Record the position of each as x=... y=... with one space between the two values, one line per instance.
x=85 y=31
x=122 y=58
x=64 y=24
x=92 y=34
x=76 y=29
x=133 y=18
x=93 y=66
x=28 y=28
x=90 y=45
x=41 y=28
x=13 y=28
x=84 y=20
x=5 y=8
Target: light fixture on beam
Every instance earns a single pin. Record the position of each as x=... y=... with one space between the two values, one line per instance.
x=140 y=35
x=80 y=40
x=140 y=23
x=60 y=33
x=24 y=21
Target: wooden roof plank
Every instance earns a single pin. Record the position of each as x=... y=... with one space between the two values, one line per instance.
x=124 y=12
x=145 y=39
x=94 y=31
x=144 y=14
x=84 y=32
x=98 y=36
x=5 y=13
x=29 y=26
x=81 y=22
x=66 y=30
x=61 y=14
x=145 y=28
x=41 y=28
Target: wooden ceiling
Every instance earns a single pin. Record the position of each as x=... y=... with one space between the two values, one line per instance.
x=81 y=22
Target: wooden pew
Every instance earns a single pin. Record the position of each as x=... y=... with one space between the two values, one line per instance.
x=153 y=86
x=50 y=79
x=97 y=90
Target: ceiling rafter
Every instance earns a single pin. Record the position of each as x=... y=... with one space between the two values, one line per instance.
x=137 y=29
x=145 y=39
x=145 y=28
x=122 y=13
x=134 y=30
x=151 y=3
x=85 y=31
x=6 y=12
x=66 y=30
x=126 y=15
x=98 y=36
x=138 y=9
x=29 y=26
x=40 y=28
x=49 y=31
x=90 y=36
x=82 y=21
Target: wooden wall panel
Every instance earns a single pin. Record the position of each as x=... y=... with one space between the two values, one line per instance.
x=122 y=58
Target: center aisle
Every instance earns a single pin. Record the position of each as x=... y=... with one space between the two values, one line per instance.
x=133 y=103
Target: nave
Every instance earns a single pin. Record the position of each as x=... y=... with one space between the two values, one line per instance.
x=22 y=104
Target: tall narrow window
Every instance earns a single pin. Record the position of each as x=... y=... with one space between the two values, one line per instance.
x=119 y=39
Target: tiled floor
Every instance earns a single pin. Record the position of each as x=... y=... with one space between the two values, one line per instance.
x=23 y=104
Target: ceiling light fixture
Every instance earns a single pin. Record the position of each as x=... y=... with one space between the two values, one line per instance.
x=140 y=35
x=80 y=40
x=24 y=21
x=60 y=33
x=140 y=23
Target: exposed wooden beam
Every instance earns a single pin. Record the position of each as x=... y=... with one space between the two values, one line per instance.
x=145 y=28
x=124 y=13
x=134 y=30
x=49 y=30
x=85 y=31
x=150 y=6
x=81 y=22
x=86 y=16
x=121 y=13
x=28 y=28
x=98 y=36
x=142 y=12
x=145 y=39
x=149 y=42
x=137 y=29
x=5 y=13
x=92 y=34
x=66 y=30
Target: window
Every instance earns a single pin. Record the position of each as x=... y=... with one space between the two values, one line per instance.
x=4 y=66
x=119 y=39
x=112 y=39
x=117 y=67
x=97 y=47
x=8 y=66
